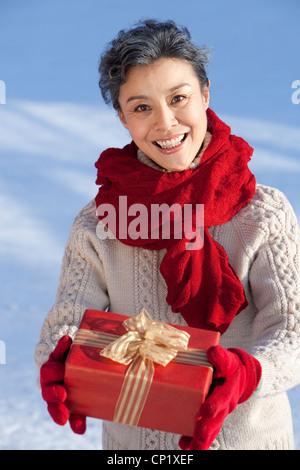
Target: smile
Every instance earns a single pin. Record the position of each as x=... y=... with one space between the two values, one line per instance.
x=169 y=144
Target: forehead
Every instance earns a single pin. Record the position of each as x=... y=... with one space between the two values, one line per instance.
x=163 y=75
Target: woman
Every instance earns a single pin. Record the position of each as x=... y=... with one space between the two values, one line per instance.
x=243 y=281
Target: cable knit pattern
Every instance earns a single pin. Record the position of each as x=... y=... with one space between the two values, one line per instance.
x=262 y=243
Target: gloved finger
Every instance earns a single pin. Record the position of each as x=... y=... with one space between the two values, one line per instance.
x=52 y=371
x=78 y=423
x=62 y=347
x=195 y=445
x=206 y=430
x=54 y=393
x=185 y=442
x=190 y=443
x=59 y=413
x=217 y=401
x=223 y=360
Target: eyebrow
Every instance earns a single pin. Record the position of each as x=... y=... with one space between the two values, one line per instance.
x=145 y=97
x=138 y=97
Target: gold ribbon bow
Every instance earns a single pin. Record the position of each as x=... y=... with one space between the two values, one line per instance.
x=147 y=339
x=146 y=342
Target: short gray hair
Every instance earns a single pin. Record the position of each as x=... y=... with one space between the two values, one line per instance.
x=143 y=44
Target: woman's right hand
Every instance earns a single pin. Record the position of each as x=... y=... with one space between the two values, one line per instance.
x=53 y=389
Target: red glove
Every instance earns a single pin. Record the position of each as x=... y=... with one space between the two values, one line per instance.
x=53 y=389
x=237 y=375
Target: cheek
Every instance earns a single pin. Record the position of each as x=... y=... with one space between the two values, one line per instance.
x=194 y=115
x=199 y=120
x=138 y=129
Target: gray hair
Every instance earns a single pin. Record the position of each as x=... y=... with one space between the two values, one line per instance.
x=144 y=44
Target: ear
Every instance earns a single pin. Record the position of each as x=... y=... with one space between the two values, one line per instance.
x=122 y=119
x=206 y=95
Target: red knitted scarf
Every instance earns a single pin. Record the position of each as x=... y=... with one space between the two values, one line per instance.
x=201 y=284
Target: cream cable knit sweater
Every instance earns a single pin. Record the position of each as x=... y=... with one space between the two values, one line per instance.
x=262 y=243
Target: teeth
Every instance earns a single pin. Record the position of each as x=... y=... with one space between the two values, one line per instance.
x=169 y=144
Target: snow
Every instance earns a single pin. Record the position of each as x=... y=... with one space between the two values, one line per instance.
x=47 y=165
x=53 y=127
x=48 y=171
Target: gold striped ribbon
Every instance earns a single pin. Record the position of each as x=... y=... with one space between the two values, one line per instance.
x=98 y=339
x=147 y=342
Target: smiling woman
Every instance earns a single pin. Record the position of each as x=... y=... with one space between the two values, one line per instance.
x=242 y=281
x=168 y=123
x=161 y=91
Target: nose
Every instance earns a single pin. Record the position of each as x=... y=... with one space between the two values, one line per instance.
x=164 y=118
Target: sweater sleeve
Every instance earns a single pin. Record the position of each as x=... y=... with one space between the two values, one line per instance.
x=275 y=284
x=82 y=285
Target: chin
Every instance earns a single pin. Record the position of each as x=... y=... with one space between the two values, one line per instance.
x=179 y=167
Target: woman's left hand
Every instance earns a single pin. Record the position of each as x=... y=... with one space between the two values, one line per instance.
x=236 y=376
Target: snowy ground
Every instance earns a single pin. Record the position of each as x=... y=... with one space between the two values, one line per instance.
x=46 y=176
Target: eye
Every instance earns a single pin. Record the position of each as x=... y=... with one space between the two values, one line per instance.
x=178 y=98
x=141 y=108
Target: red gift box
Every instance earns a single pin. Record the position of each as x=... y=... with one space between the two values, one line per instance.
x=95 y=383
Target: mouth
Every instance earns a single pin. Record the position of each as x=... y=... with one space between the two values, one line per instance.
x=172 y=143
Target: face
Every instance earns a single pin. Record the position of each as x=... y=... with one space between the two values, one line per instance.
x=164 y=109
